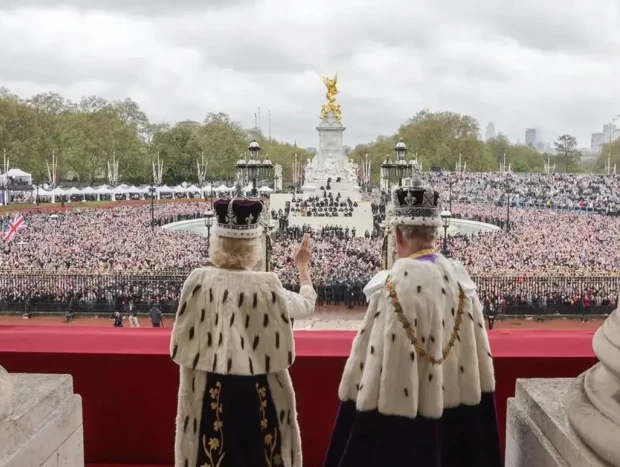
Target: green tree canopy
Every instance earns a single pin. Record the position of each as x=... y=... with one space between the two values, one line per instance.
x=86 y=135
x=610 y=154
x=441 y=138
x=567 y=158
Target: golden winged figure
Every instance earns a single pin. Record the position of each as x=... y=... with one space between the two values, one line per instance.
x=332 y=87
x=332 y=91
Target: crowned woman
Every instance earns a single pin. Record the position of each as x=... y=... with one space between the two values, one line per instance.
x=417 y=389
x=233 y=340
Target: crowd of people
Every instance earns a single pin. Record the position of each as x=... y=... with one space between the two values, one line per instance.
x=342 y=263
x=572 y=192
x=97 y=240
x=98 y=259
x=326 y=205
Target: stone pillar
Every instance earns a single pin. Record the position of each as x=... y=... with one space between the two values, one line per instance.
x=593 y=399
x=565 y=422
x=331 y=147
x=42 y=424
x=6 y=392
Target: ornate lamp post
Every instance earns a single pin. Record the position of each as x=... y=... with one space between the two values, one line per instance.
x=209 y=218
x=253 y=169
x=445 y=220
x=508 y=202
x=269 y=226
x=400 y=168
x=152 y=191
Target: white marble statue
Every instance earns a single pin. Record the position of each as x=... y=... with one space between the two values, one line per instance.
x=278 y=177
x=593 y=401
x=309 y=172
x=6 y=391
x=331 y=169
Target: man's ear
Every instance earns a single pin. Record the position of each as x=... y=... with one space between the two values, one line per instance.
x=399 y=236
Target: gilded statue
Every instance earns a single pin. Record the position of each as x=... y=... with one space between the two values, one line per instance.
x=332 y=91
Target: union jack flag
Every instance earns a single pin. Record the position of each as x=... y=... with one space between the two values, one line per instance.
x=14 y=228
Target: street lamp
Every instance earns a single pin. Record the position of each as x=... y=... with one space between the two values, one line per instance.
x=450 y=194
x=398 y=169
x=209 y=218
x=152 y=191
x=445 y=220
x=508 y=203
x=253 y=168
x=268 y=247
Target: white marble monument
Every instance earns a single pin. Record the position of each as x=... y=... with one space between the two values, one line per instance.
x=331 y=163
x=570 y=422
x=330 y=160
x=40 y=421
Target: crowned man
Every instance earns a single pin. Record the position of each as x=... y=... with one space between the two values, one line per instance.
x=233 y=340
x=417 y=389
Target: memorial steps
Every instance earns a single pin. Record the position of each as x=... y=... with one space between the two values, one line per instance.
x=361 y=220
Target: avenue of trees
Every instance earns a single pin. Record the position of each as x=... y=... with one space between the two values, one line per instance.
x=86 y=135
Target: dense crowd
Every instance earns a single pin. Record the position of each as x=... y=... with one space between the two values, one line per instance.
x=342 y=263
x=570 y=249
x=119 y=239
x=325 y=205
x=599 y=193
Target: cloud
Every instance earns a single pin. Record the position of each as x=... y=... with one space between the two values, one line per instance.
x=134 y=7
x=547 y=64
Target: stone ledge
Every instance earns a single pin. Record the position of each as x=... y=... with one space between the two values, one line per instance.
x=525 y=443
x=538 y=408
x=44 y=424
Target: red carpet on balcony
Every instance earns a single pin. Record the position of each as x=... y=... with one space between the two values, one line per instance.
x=129 y=384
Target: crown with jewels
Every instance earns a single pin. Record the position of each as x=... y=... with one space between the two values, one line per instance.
x=238 y=217
x=416 y=205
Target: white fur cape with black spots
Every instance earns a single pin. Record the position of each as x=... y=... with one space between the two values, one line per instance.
x=235 y=323
x=438 y=302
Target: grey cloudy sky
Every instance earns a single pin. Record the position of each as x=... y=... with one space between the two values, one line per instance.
x=552 y=64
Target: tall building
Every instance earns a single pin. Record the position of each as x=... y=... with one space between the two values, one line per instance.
x=531 y=137
x=597 y=140
x=490 y=133
x=608 y=130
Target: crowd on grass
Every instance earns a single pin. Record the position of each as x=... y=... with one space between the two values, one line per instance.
x=559 y=249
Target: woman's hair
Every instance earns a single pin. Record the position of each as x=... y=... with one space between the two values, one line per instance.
x=235 y=253
x=424 y=233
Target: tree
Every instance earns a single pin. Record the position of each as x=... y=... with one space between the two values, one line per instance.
x=568 y=156
x=499 y=147
x=179 y=149
x=19 y=133
x=610 y=154
x=435 y=139
x=129 y=113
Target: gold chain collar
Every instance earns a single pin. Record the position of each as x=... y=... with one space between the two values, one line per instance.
x=411 y=332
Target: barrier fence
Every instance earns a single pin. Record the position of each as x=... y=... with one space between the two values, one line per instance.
x=47 y=292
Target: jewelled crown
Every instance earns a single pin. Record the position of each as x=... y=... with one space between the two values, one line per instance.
x=416 y=205
x=238 y=218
